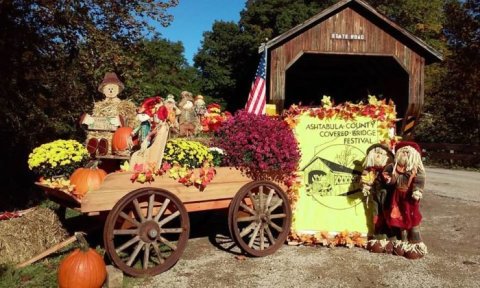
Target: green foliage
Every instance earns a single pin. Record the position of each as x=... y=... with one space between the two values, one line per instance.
x=42 y=274
x=229 y=56
x=54 y=55
x=423 y=18
x=165 y=70
x=453 y=110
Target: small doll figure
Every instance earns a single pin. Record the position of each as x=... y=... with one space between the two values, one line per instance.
x=145 y=116
x=200 y=107
x=407 y=177
x=172 y=113
x=189 y=123
x=377 y=191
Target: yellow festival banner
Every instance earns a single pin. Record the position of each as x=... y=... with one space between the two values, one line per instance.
x=333 y=151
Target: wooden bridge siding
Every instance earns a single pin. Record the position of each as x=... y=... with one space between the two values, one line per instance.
x=317 y=39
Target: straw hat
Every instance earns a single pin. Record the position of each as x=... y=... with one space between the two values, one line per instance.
x=111 y=78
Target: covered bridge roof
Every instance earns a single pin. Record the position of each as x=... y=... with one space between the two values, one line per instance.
x=416 y=44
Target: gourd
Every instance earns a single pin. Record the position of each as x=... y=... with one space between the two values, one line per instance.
x=120 y=139
x=86 y=179
x=83 y=268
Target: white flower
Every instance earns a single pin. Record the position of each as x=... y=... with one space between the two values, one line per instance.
x=216 y=149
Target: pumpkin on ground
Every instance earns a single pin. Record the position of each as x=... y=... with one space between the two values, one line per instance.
x=83 y=268
x=86 y=179
x=121 y=139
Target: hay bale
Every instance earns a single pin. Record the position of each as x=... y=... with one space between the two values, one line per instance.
x=24 y=237
x=109 y=108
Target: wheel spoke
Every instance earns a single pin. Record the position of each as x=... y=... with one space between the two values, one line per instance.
x=280 y=202
x=260 y=192
x=250 y=195
x=146 y=256
x=125 y=231
x=157 y=251
x=150 y=206
x=129 y=219
x=269 y=198
x=246 y=219
x=169 y=218
x=162 y=209
x=277 y=216
x=275 y=226
x=249 y=210
x=168 y=243
x=254 y=235
x=171 y=230
x=139 y=211
x=262 y=237
x=128 y=244
x=247 y=229
x=135 y=253
x=269 y=235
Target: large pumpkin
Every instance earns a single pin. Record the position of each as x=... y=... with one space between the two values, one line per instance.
x=83 y=268
x=121 y=138
x=86 y=179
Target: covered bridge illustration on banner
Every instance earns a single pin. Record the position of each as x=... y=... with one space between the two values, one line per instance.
x=349 y=51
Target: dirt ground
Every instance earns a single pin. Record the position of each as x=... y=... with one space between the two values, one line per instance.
x=450 y=228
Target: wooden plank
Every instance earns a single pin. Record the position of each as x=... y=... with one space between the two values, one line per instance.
x=208 y=205
x=454 y=156
x=224 y=186
x=59 y=196
x=455 y=147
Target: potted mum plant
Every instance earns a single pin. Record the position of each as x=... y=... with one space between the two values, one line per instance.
x=262 y=147
x=58 y=158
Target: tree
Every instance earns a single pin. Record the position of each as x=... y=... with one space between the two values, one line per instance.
x=54 y=54
x=457 y=107
x=165 y=69
x=229 y=55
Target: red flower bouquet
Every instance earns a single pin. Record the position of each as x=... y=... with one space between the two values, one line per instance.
x=261 y=146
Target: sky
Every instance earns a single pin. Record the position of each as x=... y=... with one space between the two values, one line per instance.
x=193 y=17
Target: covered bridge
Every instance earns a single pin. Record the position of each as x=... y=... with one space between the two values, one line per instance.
x=349 y=51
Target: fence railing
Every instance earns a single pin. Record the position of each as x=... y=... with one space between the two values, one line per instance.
x=465 y=155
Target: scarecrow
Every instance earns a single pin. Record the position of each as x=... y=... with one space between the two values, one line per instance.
x=200 y=107
x=375 y=188
x=407 y=176
x=189 y=123
x=172 y=113
x=145 y=115
x=115 y=111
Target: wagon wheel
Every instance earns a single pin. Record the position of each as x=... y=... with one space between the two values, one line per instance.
x=146 y=232
x=259 y=218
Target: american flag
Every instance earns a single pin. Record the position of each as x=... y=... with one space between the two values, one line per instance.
x=257 y=98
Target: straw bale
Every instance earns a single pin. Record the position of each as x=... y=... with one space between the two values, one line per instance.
x=109 y=108
x=24 y=237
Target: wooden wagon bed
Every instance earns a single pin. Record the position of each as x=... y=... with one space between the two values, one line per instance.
x=217 y=194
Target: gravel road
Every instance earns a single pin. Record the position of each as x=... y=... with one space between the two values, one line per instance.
x=450 y=228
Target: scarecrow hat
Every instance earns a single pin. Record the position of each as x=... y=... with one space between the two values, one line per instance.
x=111 y=78
x=384 y=147
x=149 y=104
x=170 y=99
x=408 y=143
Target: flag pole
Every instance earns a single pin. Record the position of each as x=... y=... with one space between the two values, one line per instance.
x=264 y=49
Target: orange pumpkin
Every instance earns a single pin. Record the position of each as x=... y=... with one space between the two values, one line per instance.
x=121 y=138
x=83 y=268
x=86 y=179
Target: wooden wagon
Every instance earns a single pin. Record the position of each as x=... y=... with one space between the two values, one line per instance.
x=147 y=225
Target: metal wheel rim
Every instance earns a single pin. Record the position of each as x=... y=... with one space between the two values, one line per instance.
x=267 y=223
x=148 y=237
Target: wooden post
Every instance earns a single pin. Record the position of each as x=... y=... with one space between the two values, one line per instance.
x=50 y=250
